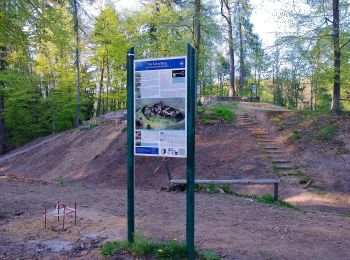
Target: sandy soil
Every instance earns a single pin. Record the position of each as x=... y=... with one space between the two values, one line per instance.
x=98 y=155
x=234 y=228
x=92 y=163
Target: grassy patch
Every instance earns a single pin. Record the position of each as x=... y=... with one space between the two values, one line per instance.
x=143 y=247
x=213 y=188
x=308 y=112
x=320 y=128
x=327 y=133
x=226 y=188
x=268 y=198
x=217 y=113
x=296 y=134
x=61 y=182
x=297 y=172
x=277 y=170
x=210 y=255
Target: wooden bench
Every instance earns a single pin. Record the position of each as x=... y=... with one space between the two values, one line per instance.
x=238 y=181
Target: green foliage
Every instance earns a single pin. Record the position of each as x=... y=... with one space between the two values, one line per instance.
x=209 y=255
x=217 y=113
x=327 y=133
x=61 y=182
x=111 y=248
x=226 y=188
x=39 y=79
x=213 y=188
x=296 y=134
x=172 y=250
x=276 y=169
x=308 y=112
x=268 y=198
x=143 y=247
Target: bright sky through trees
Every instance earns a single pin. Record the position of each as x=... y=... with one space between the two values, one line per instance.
x=265 y=15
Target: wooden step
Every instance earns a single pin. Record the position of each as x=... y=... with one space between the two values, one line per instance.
x=270 y=148
x=267 y=142
x=284 y=166
x=274 y=160
x=275 y=152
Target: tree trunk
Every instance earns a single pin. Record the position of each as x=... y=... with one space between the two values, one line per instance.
x=98 y=112
x=336 y=48
x=197 y=35
x=273 y=84
x=3 y=65
x=108 y=82
x=312 y=91
x=77 y=62
x=241 y=58
x=228 y=18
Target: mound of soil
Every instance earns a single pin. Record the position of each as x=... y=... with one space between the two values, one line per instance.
x=97 y=154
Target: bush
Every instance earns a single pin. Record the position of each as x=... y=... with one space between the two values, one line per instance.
x=327 y=133
x=147 y=248
x=218 y=112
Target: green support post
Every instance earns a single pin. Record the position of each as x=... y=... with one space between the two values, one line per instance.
x=130 y=128
x=191 y=107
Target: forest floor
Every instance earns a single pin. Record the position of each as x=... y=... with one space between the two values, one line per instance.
x=88 y=166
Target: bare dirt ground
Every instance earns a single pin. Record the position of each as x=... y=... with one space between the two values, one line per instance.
x=233 y=227
x=92 y=164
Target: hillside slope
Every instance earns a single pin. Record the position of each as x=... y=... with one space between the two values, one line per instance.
x=97 y=154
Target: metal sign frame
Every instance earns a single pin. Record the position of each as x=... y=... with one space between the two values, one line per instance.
x=190 y=162
x=163 y=140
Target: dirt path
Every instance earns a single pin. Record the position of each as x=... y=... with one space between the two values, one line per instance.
x=232 y=227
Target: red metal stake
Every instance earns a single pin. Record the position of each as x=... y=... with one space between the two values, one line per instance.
x=45 y=215
x=64 y=215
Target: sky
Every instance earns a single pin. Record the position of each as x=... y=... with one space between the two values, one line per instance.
x=265 y=17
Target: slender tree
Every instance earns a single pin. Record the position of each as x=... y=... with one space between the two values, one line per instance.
x=77 y=61
x=227 y=14
x=336 y=50
x=197 y=33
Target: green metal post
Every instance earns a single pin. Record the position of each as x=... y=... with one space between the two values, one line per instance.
x=130 y=127
x=191 y=107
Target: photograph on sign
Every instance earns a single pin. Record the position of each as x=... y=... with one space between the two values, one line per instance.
x=160 y=103
x=160 y=113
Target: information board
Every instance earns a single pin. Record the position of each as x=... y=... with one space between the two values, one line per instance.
x=160 y=104
x=254 y=89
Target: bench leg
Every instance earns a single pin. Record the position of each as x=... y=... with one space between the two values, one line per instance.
x=275 y=192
